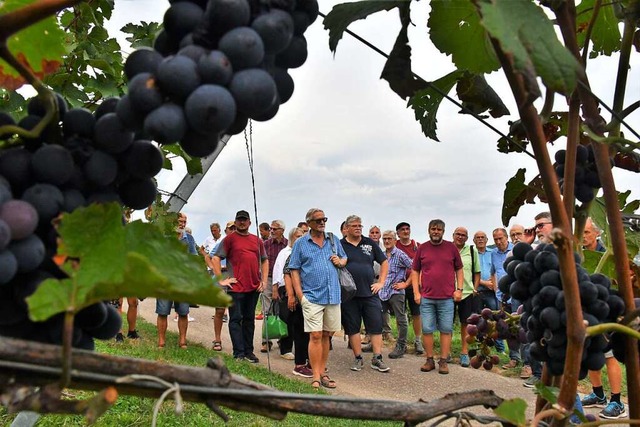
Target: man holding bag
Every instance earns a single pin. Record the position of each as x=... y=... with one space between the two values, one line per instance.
x=314 y=273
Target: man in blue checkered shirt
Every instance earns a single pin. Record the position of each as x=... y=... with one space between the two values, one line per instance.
x=314 y=273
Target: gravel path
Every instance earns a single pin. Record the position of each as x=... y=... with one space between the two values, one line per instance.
x=404 y=382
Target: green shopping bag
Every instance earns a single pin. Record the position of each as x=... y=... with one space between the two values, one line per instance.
x=273 y=327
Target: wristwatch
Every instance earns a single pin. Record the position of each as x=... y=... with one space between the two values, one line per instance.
x=459 y=289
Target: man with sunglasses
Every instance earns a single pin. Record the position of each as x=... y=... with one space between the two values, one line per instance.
x=247 y=262
x=313 y=266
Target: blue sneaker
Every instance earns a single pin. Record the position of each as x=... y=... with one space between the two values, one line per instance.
x=464 y=360
x=594 y=401
x=613 y=410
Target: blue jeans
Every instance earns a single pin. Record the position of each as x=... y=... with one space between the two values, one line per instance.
x=437 y=314
x=242 y=322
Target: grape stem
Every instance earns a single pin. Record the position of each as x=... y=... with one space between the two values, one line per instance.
x=19 y=19
x=612 y=327
x=553 y=412
x=67 y=338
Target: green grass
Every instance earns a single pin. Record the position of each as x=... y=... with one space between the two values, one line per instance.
x=135 y=411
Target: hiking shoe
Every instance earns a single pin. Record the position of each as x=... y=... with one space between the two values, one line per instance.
x=119 y=337
x=613 y=410
x=133 y=335
x=225 y=318
x=398 y=352
x=419 y=347
x=464 y=360
x=303 y=371
x=251 y=358
x=531 y=381
x=429 y=365
x=525 y=372
x=288 y=356
x=513 y=363
x=377 y=363
x=358 y=364
x=367 y=348
x=593 y=401
x=443 y=368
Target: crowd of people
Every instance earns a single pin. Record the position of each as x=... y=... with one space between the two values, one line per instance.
x=427 y=283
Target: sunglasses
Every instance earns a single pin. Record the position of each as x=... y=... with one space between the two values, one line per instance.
x=540 y=225
x=320 y=220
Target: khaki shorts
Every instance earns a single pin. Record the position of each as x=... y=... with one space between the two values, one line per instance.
x=318 y=317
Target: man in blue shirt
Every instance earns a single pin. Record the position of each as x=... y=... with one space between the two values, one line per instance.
x=313 y=265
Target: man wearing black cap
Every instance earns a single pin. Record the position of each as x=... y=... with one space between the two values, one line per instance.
x=247 y=262
x=409 y=246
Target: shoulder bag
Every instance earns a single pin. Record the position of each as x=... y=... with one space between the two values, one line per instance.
x=348 y=287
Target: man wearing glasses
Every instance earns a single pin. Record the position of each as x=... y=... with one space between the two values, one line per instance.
x=313 y=265
x=248 y=264
x=366 y=306
x=516 y=233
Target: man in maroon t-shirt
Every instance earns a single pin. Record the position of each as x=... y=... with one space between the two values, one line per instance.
x=247 y=262
x=439 y=266
x=409 y=246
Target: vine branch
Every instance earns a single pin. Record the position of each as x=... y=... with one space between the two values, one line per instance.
x=19 y=19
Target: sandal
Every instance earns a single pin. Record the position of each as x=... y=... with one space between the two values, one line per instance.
x=183 y=345
x=217 y=346
x=327 y=382
x=316 y=384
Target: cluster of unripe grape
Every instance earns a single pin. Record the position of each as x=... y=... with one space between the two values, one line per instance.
x=216 y=64
x=533 y=277
x=488 y=327
x=586 y=179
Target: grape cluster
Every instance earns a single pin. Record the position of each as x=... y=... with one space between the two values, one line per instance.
x=618 y=339
x=487 y=327
x=586 y=179
x=533 y=277
x=25 y=262
x=215 y=64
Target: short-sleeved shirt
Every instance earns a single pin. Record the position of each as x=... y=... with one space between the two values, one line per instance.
x=399 y=264
x=468 y=264
x=485 y=267
x=411 y=249
x=318 y=275
x=273 y=248
x=438 y=265
x=244 y=254
x=278 y=266
x=360 y=265
x=497 y=265
x=188 y=240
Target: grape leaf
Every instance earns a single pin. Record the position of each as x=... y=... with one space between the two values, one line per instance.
x=454 y=28
x=425 y=103
x=476 y=95
x=342 y=15
x=141 y=35
x=39 y=47
x=116 y=261
x=605 y=36
x=524 y=31
x=397 y=69
x=513 y=410
x=517 y=193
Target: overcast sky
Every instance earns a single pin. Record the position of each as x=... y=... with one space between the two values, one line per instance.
x=347 y=144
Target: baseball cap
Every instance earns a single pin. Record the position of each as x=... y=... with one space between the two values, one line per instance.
x=230 y=224
x=242 y=215
x=402 y=224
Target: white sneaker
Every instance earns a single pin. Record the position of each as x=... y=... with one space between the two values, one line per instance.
x=288 y=356
x=191 y=319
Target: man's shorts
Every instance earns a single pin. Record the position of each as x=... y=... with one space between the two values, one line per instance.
x=163 y=307
x=319 y=317
x=359 y=309
x=414 y=308
x=437 y=315
x=467 y=306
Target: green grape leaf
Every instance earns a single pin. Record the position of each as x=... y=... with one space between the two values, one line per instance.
x=425 y=103
x=141 y=35
x=12 y=102
x=513 y=410
x=605 y=35
x=455 y=29
x=476 y=95
x=548 y=393
x=342 y=15
x=517 y=193
x=525 y=32
x=39 y=47
x=116 y=261
x=397 y=69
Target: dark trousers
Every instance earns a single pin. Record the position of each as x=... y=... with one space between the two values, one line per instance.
x=297 y=335
x=285 y=344
x=242 y=322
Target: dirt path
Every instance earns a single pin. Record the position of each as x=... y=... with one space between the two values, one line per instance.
x=404 y=382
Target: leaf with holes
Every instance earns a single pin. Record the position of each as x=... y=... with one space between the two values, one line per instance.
x=343 y=15
x=524 y=31
x=425 y=103
x=454 y=28
x=39 y=47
